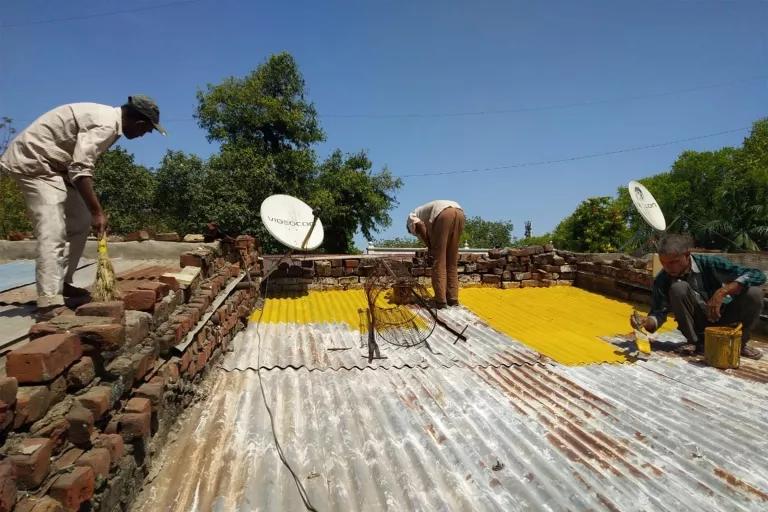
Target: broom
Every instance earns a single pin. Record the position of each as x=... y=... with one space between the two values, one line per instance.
x=105 y=288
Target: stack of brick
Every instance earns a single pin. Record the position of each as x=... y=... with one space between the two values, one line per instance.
x=86 y=399
x=617 y=275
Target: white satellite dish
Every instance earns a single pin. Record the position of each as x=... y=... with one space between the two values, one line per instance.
x=292 y=222
x=647 y=206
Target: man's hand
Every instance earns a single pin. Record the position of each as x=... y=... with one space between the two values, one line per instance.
x=648 y=323
x=714 y=303
x=99 y=223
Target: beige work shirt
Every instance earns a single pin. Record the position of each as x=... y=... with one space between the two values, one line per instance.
x=427 y=213
x=65 y=141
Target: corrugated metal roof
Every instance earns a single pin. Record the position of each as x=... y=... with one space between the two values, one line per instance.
x=462 y=431
x=487 y=438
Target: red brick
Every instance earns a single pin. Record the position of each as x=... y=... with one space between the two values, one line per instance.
x=81 y=373
x=138 y=405
x=234 y=270
x=152 y=391
x=9 y=386
x=6 y=416
x=67 y=459
x=133 y=426
x=112 y=309
x=80 y=425
x=7 y=485
x=109 y=337
x=43 y=359
x=137 y=236
x=43 y=329
x=186 y=359
x=142 y=362
x=113 y=443
x=140 y=300
x=171 y=281
x=98 y=459
x=73 y=489
x=32 y=402
x=32 y=460
x=33 y=504
x=98 y=400
x=171 y=371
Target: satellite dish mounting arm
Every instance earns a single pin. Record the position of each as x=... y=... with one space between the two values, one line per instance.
x=315 y=215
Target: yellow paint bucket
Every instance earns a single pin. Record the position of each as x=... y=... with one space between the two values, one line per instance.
x=722 y=346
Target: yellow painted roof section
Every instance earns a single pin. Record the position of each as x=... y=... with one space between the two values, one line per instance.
x=338 y=306
x=563 y=322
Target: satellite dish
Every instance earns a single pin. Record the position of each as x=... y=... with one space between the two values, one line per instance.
x=292 y=222
x=647 y=205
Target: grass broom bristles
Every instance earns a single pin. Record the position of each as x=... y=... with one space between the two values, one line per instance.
x=105 y=288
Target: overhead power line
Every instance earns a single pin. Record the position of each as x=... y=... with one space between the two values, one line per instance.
x=572 y=158
x=98 y=15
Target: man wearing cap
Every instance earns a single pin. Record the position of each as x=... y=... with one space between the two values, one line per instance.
x=52 y=162
x=439 y=225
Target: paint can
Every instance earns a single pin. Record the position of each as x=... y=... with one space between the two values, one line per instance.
x=722 y=346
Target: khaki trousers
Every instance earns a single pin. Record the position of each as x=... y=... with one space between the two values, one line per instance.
x=444 y=241
x=61 y=223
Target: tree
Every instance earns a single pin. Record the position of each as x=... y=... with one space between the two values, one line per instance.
x=126 y=191
x=180 y=191
x=408 y=241
x=351 y=197
x=486 y=233
x=13 y=210
x=267 y=129
x=597 y=225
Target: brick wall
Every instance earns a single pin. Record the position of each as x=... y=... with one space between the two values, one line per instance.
x=87 y=401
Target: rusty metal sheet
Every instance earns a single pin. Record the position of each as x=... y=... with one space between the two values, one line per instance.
x=531 y=437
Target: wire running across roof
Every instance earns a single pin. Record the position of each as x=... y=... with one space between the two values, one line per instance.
x=481 y=426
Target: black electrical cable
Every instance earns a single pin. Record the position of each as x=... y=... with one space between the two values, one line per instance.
x=299 y=486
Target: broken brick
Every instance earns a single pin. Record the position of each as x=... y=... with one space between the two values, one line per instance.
x=8 y=388
x=98 y=459
x=132 y=426
x=140 y=300
x=138 y=405
x=113 y=443
x=32 y=402
x=43 y=359
x=32 y=460
x=113 y=309
x=7 y=485
x=107 y=337
x=81 y=373
x=98 y=400
x=35 y=504
x=73 y=489
x=80 y=425
x=151 y=391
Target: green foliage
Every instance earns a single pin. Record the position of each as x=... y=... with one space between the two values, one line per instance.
x=126 y=191
x=180 y=192
x=351 y=197
x=267 y=129
x=13 y=210
x=597 y=225
x=399 y=242
x=533 y=240
x=720 y=197
x=487 y=233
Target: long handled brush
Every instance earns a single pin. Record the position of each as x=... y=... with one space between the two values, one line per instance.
x=105 y=288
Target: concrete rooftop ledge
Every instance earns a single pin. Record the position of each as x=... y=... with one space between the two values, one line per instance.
x=150 y=249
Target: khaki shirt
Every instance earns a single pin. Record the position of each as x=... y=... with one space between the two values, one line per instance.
x=427 y=213
x=65 y=141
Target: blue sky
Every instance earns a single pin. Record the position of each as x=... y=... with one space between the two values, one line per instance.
x=406 y=80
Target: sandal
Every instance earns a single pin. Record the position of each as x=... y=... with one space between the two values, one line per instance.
x=750 y=353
